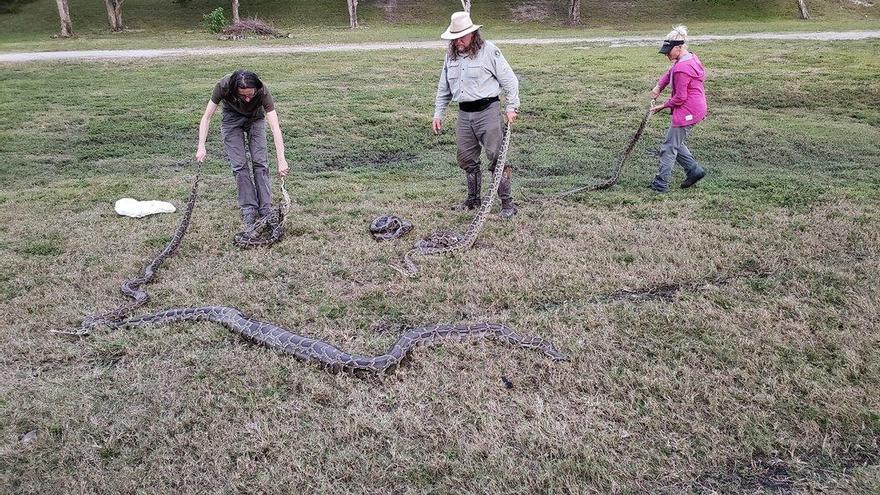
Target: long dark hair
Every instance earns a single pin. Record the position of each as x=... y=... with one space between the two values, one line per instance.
x=242 y=79
x=472 y=49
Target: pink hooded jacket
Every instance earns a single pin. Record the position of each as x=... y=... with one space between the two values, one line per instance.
x=688 y=101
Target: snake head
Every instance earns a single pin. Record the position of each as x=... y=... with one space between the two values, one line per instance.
x=97 y=321
x=554 y=354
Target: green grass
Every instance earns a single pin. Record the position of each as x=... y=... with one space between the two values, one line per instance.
x=758 y=370
x=162 y=23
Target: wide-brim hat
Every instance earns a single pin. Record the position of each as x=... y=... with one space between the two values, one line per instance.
x=460 y=24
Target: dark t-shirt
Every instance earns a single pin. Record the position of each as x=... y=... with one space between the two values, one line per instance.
x=261 y=101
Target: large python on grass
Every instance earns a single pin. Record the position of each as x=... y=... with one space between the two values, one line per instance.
x=451 y=243
x=389 y=227
x=279 y=338
x=615 y=174
x=133 y=287
x=331 y=357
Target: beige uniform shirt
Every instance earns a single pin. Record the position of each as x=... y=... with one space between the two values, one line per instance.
x=471 y=79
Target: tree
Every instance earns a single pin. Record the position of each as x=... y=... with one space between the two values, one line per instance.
x=64 y=15
x=805 y=14
x=235 y=17
x=466 y=5
x=114 y=14
x=353 y=13
x=574 y=12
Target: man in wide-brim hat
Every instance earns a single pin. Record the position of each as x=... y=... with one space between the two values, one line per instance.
x=474 y=73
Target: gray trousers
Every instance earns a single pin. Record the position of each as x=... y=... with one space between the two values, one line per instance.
x=477 y=131
x=240 y=135
x=674 y=150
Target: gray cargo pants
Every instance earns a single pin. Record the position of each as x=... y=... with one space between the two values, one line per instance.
x=240 y=135
x=674 y=150
x=476 y=131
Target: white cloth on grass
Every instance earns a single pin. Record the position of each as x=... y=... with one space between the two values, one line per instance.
x=130 y=207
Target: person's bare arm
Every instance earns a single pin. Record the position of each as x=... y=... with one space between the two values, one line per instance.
x=201 y=153
x=278 y=138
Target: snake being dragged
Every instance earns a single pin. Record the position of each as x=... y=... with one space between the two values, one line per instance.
x=450 y=243
x=133 y=287
x=615 y=174
x=319 y=352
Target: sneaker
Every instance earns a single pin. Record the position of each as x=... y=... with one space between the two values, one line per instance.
x=658 y=189
x=693 y=179
x=248 y=218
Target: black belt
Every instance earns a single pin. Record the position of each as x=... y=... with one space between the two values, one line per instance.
x=478 y=105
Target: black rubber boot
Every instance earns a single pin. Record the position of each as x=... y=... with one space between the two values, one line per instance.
x=474 y=184
x=508 y=209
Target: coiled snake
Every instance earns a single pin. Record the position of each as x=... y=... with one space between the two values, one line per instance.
x=450 y=243
x=273 y=223
x=389 y=227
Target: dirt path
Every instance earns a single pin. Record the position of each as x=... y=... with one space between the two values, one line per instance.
x=353 y=47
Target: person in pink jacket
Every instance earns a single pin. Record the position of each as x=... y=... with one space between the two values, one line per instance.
x=688 y=105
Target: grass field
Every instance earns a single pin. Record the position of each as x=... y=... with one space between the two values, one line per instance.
x=722 y=338
x=163 y=23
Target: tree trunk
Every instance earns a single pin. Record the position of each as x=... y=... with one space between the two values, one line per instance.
x=64 y=15
x=114 y=14
x=805 y=14
x=574 y=12
x=353 y=13
x=235 y=17
x=466 y=5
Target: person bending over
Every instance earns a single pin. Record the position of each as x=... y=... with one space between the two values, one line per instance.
x=247 y=105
